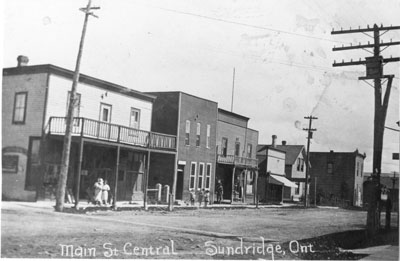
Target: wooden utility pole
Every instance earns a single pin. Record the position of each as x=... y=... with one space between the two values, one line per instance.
x=309 y=137
x=374 y=66
x=62 y=179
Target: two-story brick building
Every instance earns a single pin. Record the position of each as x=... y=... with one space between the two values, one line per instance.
x=236 y=160
x=194 y=121
x=111 y=135
x=336 y=177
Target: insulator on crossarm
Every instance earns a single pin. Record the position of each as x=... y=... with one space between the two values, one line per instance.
x=351 y=44
x=351 y=60
x=368 y=26
x=342 y=61
x=381 y=25
x=359 y=43
x=368 y=42
x=334 y=61
x=359 y=59
x=390 y=39
x=341 y=29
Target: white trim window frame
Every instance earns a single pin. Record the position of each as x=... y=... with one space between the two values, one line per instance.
x=207 y=184
x=134 y=122
x=200 y=176
x=192 y=177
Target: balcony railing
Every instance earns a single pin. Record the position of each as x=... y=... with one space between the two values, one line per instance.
x=112 y=132
x=237 y=161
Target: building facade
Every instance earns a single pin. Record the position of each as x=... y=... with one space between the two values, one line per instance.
x=295 y=170
x=236 y=157
x=111 y=135
x=194 y=121
x=272 y=177
x=337 y=177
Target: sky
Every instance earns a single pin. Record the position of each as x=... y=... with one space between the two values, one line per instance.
x=281 y=51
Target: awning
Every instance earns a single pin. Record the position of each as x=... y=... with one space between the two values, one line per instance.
x=282 y=180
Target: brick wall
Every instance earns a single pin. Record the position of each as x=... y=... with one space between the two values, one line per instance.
x=339 y=184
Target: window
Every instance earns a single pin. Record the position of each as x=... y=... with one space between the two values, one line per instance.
x=19 y=112
x=224 y=146
x=192 y=175
x=330 y=168
x=237 y=149
x=358 y=168
x=198 y=134
x=208 y=136
x=300 y=164
x=105 y=112
x=187 y=130
x=134 y=118
x=200 y=176
x=249 y=150
x=208 y=177
x=10 y=163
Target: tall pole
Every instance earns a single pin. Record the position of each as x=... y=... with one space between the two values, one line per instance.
x=233 y=88
x=374 y=66
x=309 y=137
x=62 y=180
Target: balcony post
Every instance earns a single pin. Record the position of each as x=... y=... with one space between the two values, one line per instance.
x=119 y=134
x=78 y=182
x=233 y=184
x=116 y=179
x=82 y=126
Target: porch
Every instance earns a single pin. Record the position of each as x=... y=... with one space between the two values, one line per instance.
x=105 y=131
x=238 y=176
x=118 y=154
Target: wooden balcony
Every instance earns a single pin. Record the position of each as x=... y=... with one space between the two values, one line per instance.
x=112 y=132
x=237 y=161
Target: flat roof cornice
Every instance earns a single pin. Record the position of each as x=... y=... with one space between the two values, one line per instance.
x=83 y=78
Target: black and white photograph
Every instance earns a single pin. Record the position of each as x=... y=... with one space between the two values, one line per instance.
x=200 y=129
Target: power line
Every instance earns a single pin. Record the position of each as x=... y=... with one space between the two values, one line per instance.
x=244 y=24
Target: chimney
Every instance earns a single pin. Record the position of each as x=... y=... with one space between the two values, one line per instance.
x=22 y=60
x=284 y=142
x=274 y=141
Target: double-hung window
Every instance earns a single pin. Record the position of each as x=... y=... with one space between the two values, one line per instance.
x=192 y=180
x=198 y=134
x=19 y=112
x=187 y=132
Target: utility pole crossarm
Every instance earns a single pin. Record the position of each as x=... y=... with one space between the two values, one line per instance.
x=360 y=62
x=368 y=29
x=361 y=46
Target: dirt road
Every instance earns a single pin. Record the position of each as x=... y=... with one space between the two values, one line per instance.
x=30 y=231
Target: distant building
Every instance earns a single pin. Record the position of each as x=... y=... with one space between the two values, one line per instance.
x=390 y=183
x=295 y=170
x=337 y=177
x=194 y=121
x=111 y=137
x=236 y=157
x=272 y=177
